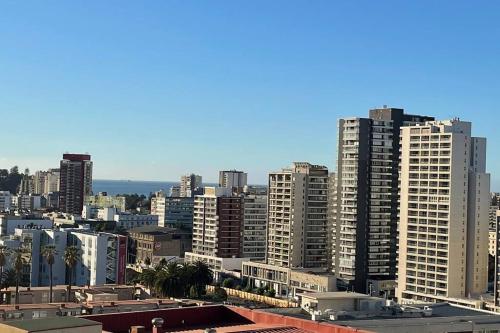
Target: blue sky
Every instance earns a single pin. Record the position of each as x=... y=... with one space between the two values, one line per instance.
x=155 y=89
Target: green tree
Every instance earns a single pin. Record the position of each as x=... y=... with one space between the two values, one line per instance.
x=3 y=261
x=148 y=278
x=49 y=252
x=228 y=283
x=20 y=258
x=8 y=278
x=71 y=256
x=220 y=295
x=169 y=281
x=201 y=277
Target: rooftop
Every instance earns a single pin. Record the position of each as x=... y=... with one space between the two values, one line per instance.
x=335 y=295
x=223 y=318
x=154 y=230
x=45 y=324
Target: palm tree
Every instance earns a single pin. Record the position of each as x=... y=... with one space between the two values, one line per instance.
x=148 y=278
x=3 y=260
x=169 y=281
x=71 y=256
x=202 y=276
x=49 y=252
x=20 y=256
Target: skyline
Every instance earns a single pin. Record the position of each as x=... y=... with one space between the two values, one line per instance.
x=173 y=88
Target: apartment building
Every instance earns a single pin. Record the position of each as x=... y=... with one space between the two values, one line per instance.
x=75 y=182
x=5 y=199
x=233 y=179
x=190 y=186
x=443 y=231
x=128 y=220
x=218 y=223
x=254 y=226
x=46 y=181
x=103 y=200
x=173 y=212
x=36 y=269
x=9 y=223
x=103 y=257
x=297 y=217
x=365 y=233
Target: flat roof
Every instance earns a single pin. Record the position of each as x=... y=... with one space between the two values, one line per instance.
x=335 y=295
x=36 y=325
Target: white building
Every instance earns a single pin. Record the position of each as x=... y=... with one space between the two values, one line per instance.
x=37 y=269
x=103 y=257
x=26 y=202
x=129 y=221
x=8 y=223
x=5 y=200
x=174 y=212
x=443 y=230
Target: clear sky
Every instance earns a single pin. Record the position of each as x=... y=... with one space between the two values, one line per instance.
x=155 y=89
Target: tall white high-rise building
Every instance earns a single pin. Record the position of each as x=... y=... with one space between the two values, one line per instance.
x=443 y=230
x=297 y=217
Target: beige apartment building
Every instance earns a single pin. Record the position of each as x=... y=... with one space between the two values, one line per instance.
x=297 y=217
x=443 y=230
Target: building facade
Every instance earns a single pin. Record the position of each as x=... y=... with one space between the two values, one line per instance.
x=173 y=212
x=443 y=231
x=103 y=200
x=75 y=182
x=5 y=200
x=233 y=180
x=154 y=243
x=190 y=185
x=103 y=257
x=218 y=223
x=297 y=217
x=365 y=234
x=254 y=226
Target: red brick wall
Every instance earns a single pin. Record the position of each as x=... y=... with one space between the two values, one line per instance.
x=309 y=325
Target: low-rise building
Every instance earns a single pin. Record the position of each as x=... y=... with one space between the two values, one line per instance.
x=152 y=243
x=288 y=282
x=220 y=266
x=130 y=221
x=8 y=223
x=103 y=200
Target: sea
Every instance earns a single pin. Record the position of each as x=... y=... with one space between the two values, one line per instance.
x=114 y=187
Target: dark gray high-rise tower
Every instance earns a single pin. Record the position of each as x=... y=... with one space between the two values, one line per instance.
x=366 y=214
x=75 y=182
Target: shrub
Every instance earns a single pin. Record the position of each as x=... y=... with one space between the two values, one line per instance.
x=219 y=295
x=228 y=283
